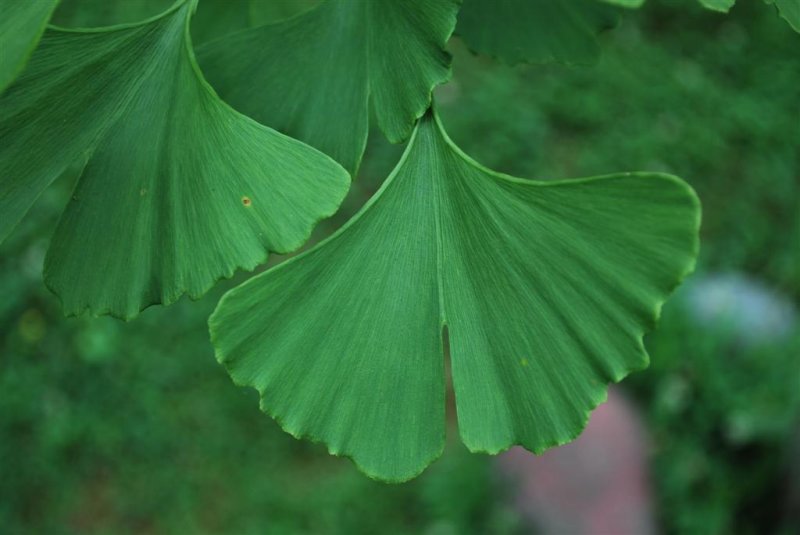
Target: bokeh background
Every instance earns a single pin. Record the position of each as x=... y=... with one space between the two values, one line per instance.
x=111 y=427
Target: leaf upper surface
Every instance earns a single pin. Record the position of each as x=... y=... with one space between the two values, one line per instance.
x=312 y=76
x=546 y=289
x=178 y=189
x=625 y=3
x=21 y=26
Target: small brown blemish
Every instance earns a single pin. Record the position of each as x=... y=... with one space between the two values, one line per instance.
x=246 y=201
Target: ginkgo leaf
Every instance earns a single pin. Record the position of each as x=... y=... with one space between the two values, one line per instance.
x=312 y=76
x=21 y=25
x=545 y=288
x=536 y=31
x=95 y=13
x=178 y=189
x=212 y=19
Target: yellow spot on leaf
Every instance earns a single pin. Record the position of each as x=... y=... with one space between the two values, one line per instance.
x=524 y=362
x=246 y=201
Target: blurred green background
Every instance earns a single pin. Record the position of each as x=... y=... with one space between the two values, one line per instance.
x=110 y=427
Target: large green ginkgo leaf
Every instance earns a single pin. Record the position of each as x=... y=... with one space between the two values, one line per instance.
x=536 y=31
x=178 y=189
x=312 y=76
x=546 y=289
x=21 y=25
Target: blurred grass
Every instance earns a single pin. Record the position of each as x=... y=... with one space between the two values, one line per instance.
x=108 y=427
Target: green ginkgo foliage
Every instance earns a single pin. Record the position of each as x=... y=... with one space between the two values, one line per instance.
x=625 y=3
x=544 y=31
x=718 y=5
x=545 y=288
x=788 y=9
x=22 y=23
x=313 y=76
x=211 y=20
x=177 y=190
x=536 y=31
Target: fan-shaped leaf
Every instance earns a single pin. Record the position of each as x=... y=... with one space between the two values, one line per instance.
x=21 y=26
x=178 y=189
x=311 y=76
x=546 y=289
x=536 y=31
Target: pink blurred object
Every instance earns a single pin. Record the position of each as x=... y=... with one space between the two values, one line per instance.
x=597 y=485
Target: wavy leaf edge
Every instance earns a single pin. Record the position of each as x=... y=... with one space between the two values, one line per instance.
x=601 y=392
x=166 y=300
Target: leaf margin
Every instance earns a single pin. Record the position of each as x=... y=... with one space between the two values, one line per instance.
x=599 y=395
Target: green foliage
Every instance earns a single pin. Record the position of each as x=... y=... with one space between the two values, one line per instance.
x=313 y=76
x=112 y=428
x=545 y=289
x=538 y=31
x=722 y=414
x=720 y=116
x=212 y=18
x=98 y=13
x=21 y=26
x=718 y=5
x=709 y=98
x=789 y=10
x=626 y=3
x=119 y=428
x=177 y=191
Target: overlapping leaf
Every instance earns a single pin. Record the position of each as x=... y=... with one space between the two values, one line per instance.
x=96 y=13
x=21 y=25
x=212 y=19
x=718 y=5
x=312 y=76
x=545 y=288
x=789 y=9
x=536 y=31
x=178 y=189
